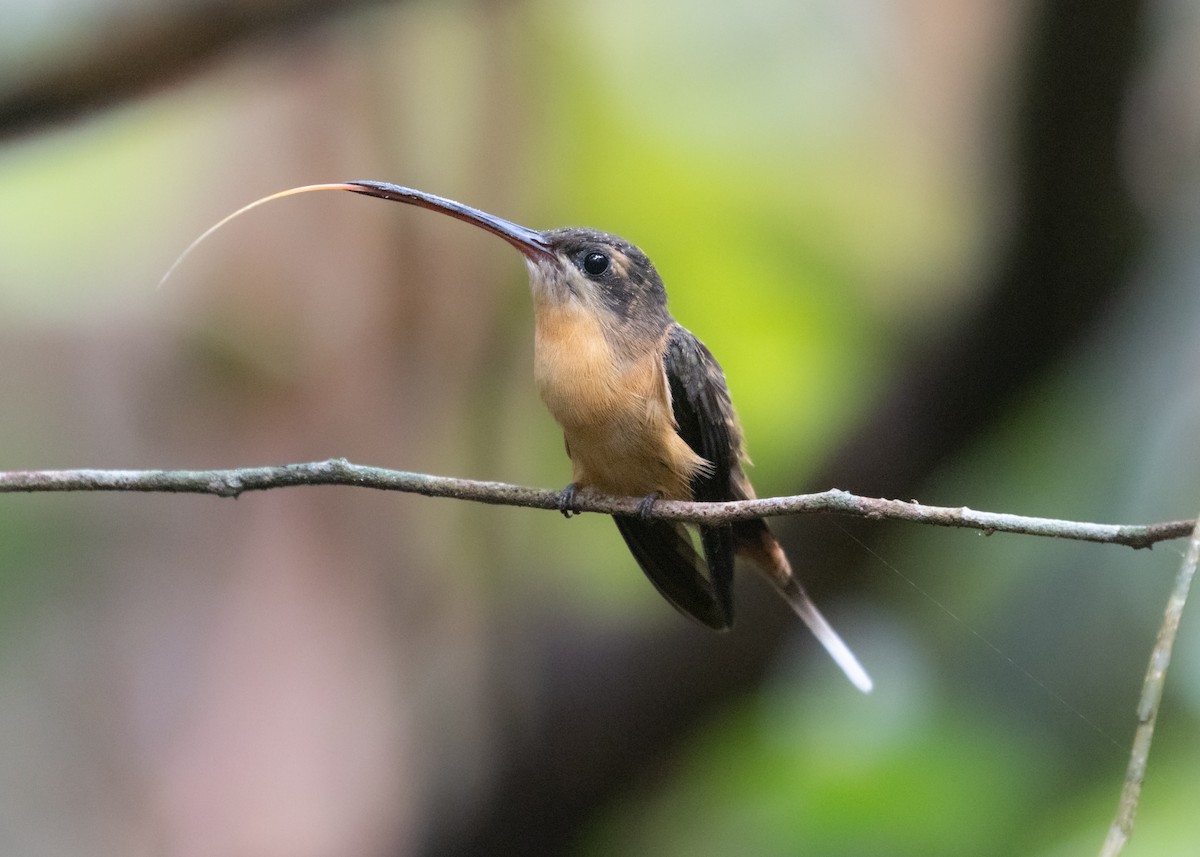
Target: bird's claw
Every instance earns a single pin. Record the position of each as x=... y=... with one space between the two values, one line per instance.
x=566 y=501
x=645 y=508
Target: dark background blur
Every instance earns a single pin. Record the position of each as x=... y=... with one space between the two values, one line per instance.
x=945 y=250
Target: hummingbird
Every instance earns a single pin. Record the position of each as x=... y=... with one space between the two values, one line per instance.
x=644 y=409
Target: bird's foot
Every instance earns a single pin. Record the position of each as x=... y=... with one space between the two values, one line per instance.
x=646 y=507
x=566 y=500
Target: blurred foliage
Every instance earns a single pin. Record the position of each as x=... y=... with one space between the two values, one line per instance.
x=766 y=781
x=71 y=201
x=775 y=221
x=817 y=183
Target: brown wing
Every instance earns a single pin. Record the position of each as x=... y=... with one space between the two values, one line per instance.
x=704 y=419
x=665 y=554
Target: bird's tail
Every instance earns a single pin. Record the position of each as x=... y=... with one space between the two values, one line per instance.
x=761 y=547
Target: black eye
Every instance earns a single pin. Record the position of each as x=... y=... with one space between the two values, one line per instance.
x=595 y=264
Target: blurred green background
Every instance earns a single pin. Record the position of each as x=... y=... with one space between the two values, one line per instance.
x=944 y=250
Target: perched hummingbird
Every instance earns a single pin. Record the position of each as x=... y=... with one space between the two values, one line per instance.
x=643 y=407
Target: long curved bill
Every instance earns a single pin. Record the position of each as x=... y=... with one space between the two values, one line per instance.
x=529 y=241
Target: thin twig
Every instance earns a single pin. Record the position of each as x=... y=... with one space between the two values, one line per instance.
x=338 y=471
x=118 y=61
x=1147 y=711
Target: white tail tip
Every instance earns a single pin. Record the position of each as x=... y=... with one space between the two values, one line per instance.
x=826 y=636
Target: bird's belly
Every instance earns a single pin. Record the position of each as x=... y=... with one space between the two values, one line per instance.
x=614 y=459
x=616 y=414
